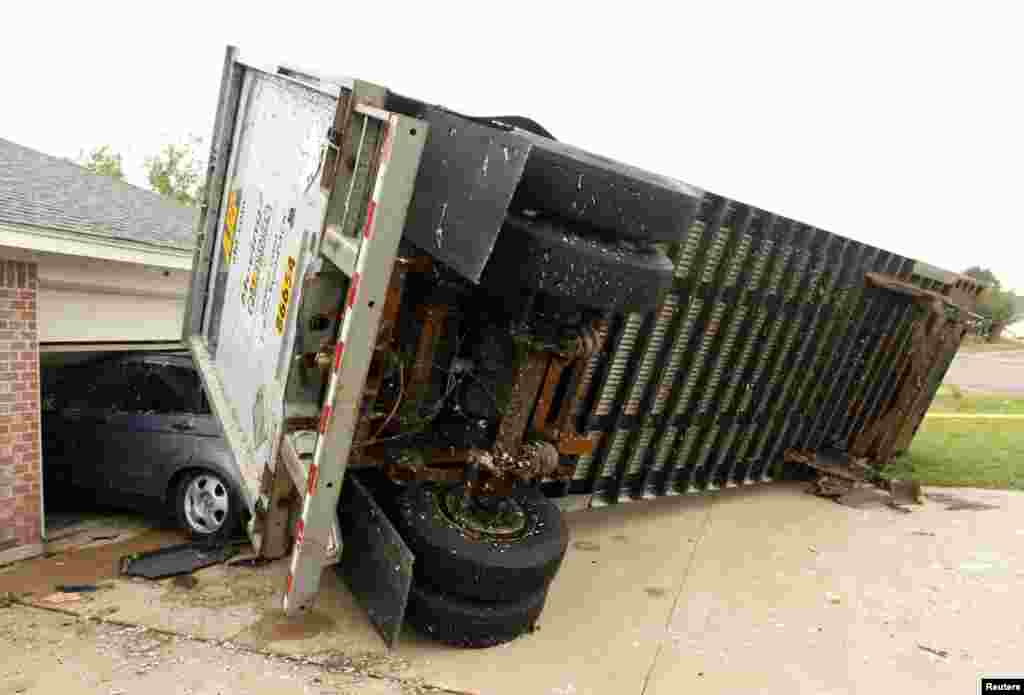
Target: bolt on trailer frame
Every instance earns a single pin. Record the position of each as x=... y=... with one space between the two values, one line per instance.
x=307 y=192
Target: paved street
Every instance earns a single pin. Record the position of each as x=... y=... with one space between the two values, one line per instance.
x=989 y=372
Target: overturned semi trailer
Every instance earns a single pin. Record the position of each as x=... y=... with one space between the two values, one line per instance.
x=458 y=326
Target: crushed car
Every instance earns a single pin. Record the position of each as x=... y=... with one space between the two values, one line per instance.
x=136 y=431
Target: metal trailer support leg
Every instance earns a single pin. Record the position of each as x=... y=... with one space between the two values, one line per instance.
x=398 y=158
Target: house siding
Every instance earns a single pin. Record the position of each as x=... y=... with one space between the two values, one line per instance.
x=20 y=458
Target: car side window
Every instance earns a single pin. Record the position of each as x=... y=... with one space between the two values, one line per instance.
x=104 y=389
x=185 y=383
x=152 y=392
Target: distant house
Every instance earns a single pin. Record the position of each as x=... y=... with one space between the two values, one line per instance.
x=87 y=263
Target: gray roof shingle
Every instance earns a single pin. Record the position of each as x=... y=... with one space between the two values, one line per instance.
x=43 y=191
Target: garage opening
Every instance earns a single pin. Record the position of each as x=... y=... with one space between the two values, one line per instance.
x=133 y=461
x=114 y=418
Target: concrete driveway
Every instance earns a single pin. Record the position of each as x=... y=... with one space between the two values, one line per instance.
x=988 y=372
x=765 y=589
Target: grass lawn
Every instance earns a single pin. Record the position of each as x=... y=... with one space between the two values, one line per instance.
x=967 y=452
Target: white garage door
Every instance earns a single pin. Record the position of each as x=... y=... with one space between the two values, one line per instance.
x=96 y=301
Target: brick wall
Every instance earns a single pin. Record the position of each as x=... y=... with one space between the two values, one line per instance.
x=20 y=459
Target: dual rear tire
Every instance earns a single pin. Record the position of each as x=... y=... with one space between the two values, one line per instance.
x=473 y=588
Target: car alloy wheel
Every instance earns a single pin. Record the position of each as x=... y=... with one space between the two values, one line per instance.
x=206 y=504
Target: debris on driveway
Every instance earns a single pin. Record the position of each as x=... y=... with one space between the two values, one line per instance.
x=852 y=482
x=959 y=504
x=77 y=588
x=247 y=560
x=864 y=498
x=832 y=486
x=185 y=581
x=837 y=476
x=941 y=653
x=61 y=597
x=176 y=559
x=906 y=492
x=833 y=463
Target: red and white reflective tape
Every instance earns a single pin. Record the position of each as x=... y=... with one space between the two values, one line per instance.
x=339 y=352
x=346 y=318
x=371 y=207
x=325 y=418
x=314 y=474
x=353 y=290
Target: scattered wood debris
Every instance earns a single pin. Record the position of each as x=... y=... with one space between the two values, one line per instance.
x=60 y=597
x=941 y=653
x=852 y=482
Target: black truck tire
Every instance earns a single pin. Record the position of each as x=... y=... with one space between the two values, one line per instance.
x=549 y=257
x=622 y=200
x=475 y=624
x=482 y=569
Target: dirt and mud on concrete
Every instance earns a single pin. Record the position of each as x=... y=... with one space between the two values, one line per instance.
x=764 y=589
x=80 y=560
x=49 y=652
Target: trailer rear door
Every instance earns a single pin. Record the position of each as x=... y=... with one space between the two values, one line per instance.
x=308 y=189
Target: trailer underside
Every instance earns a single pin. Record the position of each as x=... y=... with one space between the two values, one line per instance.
x=415 y=296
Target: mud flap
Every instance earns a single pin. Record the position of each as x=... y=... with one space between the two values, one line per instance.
x=375 y=562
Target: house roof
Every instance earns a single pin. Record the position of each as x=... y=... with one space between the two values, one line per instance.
x=39 y=190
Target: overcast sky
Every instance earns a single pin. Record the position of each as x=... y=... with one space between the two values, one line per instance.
x=894 y=123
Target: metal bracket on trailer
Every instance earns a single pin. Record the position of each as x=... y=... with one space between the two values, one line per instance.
x=386 y=150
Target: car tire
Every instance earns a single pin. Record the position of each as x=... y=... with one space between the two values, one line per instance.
x=475 y=624
x=550 y=257
x=481 y=568
x=207 y=506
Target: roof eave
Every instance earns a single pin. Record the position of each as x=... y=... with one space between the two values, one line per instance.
x=49 y=240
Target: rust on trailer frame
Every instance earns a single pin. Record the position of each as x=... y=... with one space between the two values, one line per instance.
x=562 y=431
x=933 y=333
x=526 y=383
x=375 y=377
x=432 y=318
x=920 y=353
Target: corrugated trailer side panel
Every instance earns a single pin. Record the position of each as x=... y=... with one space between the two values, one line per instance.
x=770 y=340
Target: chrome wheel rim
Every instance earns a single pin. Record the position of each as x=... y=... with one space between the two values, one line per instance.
x=206 y=504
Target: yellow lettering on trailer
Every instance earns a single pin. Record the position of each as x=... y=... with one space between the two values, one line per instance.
x=230 y=224
x=286 y=294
